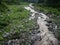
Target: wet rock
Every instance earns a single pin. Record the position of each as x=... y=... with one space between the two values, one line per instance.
x=38 y=31
x=49 y=21
x=35 y=37
x=58 y=28
x=48 y=24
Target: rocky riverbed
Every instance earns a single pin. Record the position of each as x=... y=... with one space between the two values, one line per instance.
x=45 y=35
x=41 y=34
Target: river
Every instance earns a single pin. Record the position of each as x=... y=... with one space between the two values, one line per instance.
x=46 y=37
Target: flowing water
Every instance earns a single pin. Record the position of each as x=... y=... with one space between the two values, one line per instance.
x=44 y=36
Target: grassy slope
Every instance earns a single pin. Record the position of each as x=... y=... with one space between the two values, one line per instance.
x=15 y=20
x=47 y=9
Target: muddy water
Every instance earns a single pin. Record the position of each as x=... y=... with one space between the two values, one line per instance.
x=44 y=36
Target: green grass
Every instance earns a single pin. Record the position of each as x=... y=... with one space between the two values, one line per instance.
x=47 y=9
x=16 y=19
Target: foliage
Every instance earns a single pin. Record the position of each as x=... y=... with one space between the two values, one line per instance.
x=14 y=20
x=53 y=3
x=47 y=9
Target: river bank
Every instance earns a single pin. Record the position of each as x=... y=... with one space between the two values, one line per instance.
x=37 y=32
x=45 y=34
x=53 y=14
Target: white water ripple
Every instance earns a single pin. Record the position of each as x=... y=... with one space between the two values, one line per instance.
x=47 y=36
